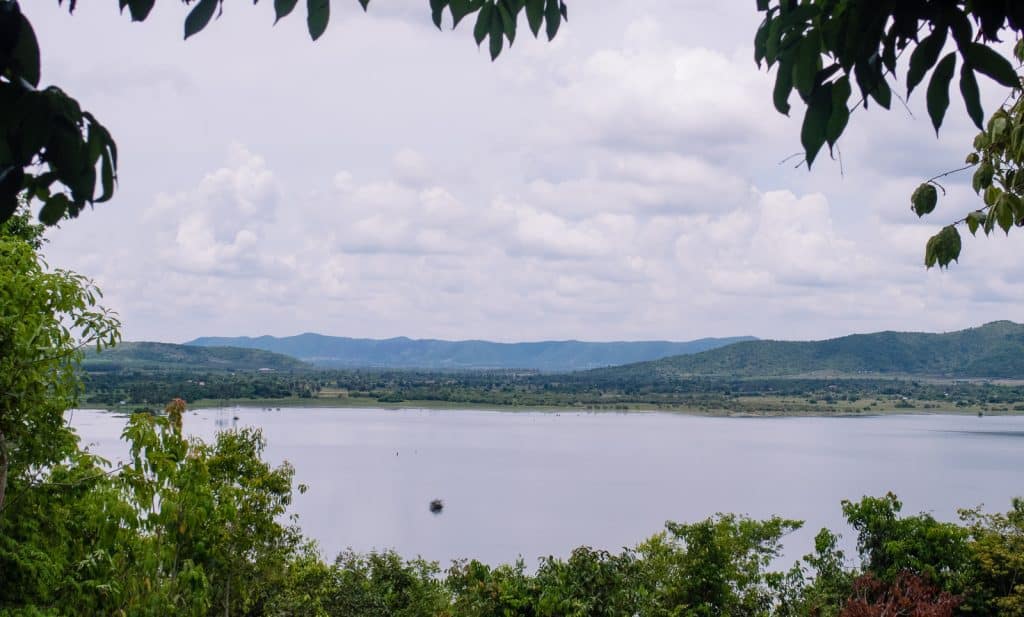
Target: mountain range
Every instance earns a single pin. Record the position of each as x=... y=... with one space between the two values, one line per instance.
x=402 y=352
x=991 y=351
x=157 y=356
x=994 y=350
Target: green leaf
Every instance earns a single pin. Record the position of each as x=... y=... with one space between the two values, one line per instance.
x=761 y=43
x=483 y=23
x=12 y=180
x=990 y=62
x=553 y=17
x=535 y=15
x=199 y=16
x=107 y=178
x=1017 y=206
x=871 y=82
x=772 y=41
x=461 y=8
x=508 y=21
x=282 y=8
x=882 y=93
x=943 y=247
x=807 y=63
x=54 y=209
x=140 y=9
x=1004 y=215
x=497 y=34
x=317 y=16
x=992 y=195
x=974 y=219
x=25 y=55
x=840 y=114
x=938 y=89
x=972 y=98
x=783 y=86
x=437 y=11
x=924 y=57
x=924 y=199
x=815 y=125
x=982 y=178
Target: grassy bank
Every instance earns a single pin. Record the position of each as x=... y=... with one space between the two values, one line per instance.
x=762 y=406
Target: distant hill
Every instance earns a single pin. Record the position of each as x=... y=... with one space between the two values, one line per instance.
x=169 y=356
x=402 y=352
x=995 y=350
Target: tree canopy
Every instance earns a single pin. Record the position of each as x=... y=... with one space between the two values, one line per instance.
x=823 y=49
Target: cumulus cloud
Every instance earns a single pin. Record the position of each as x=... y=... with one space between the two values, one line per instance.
x=621 y=183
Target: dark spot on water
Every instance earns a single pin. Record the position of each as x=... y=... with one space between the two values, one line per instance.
x=436 y=506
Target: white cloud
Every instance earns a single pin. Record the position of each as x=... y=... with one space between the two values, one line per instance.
x=620 y=183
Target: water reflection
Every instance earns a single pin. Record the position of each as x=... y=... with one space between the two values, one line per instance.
x=532 y=484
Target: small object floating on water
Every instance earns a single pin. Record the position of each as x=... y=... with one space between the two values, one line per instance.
x=436 y=506
x=235 y=418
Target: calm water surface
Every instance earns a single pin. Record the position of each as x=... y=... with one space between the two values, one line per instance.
x=532 y=484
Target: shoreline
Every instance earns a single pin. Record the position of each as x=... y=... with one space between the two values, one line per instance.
x=621 y=408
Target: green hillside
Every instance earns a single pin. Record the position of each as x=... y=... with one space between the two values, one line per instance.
x=152 y=356
x=995 y=350
x=402 y=352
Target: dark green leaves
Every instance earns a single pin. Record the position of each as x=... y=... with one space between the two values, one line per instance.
x=483 y=23
x=806 y=63
x=19 y=49
x=24 y=57
x=497 y=32
x=553 y=13
x=462 y=8
x=282 y=8
x=974 y=220
x=199 y=16
x=437 y=11
x=840 y=113
x=535 y=15
x=783 y=86
x=924 y=199
x=11 y=180
x=984 y=59
x=815 y=126
x=139 y=9
x=972 y=98
x=938 y=89
x=319 y=13
x=942 y=248
x=54 y=209
x=924 y=57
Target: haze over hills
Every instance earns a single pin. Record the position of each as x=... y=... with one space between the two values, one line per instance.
x=994 y=350
x=402 y=352
x=146 y=355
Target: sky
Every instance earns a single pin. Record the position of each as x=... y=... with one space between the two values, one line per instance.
x=623 y=182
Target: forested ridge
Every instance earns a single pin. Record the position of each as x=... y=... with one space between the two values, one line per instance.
x=994 y=350
x=149 y=356
x=403 y=352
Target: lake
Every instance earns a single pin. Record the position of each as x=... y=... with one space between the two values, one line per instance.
x=540 y=483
